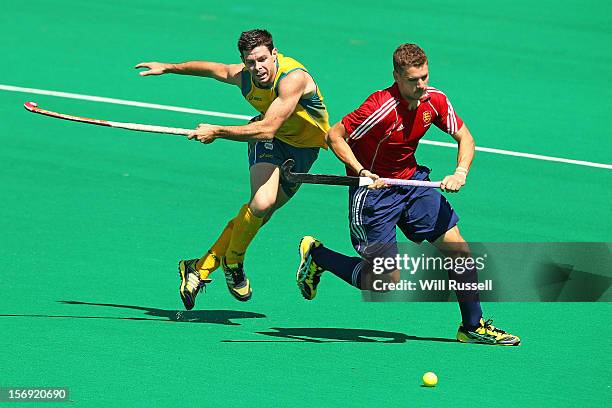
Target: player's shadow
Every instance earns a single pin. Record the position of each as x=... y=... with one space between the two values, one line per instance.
x=181 y=316
x=190 y=316
x=336 y=335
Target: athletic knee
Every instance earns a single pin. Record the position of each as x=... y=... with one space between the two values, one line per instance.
x=262 y=207
x=395 y=276
x=453 y=244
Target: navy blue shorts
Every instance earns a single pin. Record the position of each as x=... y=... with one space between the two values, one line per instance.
x=420 y=213
x=276 y=151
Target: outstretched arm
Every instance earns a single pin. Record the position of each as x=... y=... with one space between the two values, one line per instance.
x=228 y=73
x=466 y=147
x=291 y=89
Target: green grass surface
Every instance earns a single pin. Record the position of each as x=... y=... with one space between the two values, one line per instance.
x=95 y=219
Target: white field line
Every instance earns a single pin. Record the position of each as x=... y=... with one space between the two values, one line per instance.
x=526 y=155
x=122 y=102
x=247 y=117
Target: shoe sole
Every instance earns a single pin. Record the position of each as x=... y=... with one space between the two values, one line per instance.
x=186 y=300
x=298 y=276
x=468 y=340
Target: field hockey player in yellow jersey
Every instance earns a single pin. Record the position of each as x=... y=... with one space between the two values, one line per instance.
x=292 y=124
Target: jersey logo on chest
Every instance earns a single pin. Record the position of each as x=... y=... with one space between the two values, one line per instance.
x=426 y=118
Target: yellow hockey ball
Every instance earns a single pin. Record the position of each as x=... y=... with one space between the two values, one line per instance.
x=430 y=379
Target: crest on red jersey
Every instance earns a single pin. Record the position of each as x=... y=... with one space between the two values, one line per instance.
x=426 y=117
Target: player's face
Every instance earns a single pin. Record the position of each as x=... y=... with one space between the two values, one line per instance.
x=261 y=63
x=412 y=82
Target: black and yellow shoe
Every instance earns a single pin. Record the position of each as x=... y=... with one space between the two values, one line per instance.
x=237 y=282
x=309 y=273
x=486 y=333
x=191 y=283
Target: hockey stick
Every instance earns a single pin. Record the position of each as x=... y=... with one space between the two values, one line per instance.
x=33 y=107
x=308 y=178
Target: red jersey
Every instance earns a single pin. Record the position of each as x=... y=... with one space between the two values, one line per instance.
x=384 y=134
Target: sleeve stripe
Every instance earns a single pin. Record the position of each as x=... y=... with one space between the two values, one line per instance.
x=432 y=107
x=381 y=117
x=374 y=118
x=451 y=119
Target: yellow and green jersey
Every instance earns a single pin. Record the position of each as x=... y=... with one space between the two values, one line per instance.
x=307 y=125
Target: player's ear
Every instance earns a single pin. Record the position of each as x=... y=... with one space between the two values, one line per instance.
x=395 y=76
x=274 y=52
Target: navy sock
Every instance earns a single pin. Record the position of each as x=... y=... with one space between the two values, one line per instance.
x=471 y=313
x=469 y=300
x=345 y=267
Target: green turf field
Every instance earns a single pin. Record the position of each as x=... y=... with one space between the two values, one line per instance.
x=94 y=220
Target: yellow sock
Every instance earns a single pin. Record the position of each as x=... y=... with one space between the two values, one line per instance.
x=210 y=261
x=246 y=225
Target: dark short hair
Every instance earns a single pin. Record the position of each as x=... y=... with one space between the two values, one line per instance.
x=254 y=38
x=408 y=55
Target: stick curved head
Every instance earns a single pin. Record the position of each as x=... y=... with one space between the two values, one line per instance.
x=30 y=106
x=286 y=168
